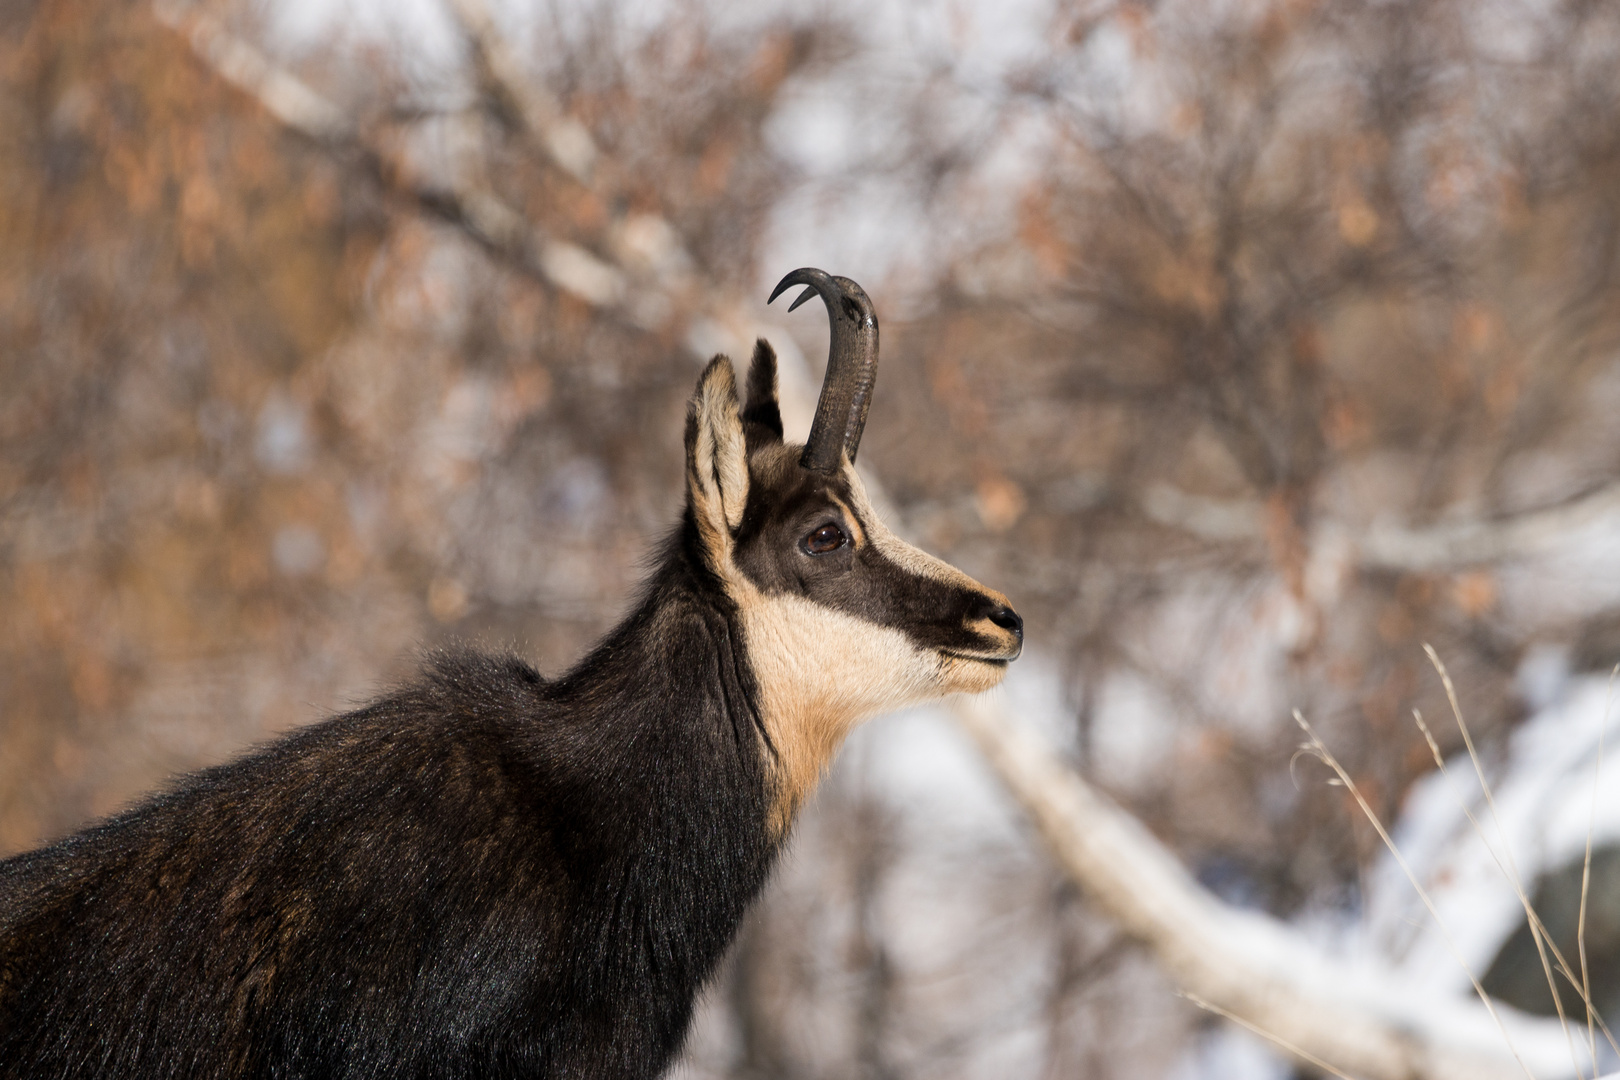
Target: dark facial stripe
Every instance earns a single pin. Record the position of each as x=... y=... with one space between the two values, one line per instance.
x=787 y=503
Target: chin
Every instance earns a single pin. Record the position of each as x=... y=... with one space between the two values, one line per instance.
x=970 y=675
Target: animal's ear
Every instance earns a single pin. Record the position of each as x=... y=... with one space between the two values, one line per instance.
x=762 y=418
x=716 y=456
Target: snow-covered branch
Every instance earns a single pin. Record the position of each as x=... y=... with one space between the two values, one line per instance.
x=1356 y=1017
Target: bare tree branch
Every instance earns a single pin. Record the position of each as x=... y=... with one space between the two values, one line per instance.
x=1220 y=520
x=1466 y=543
x=1388 y=546
x=564 y=139
x=482 y=213
x=285 y=96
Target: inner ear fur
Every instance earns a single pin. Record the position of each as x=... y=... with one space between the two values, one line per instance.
x=716 y=456
x=762 y=418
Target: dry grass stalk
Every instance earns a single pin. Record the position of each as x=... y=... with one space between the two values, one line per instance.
x=1586 y=880
x=1315 y=747
x=1303 y=1055
x=1538 y=931
x=1551 y=957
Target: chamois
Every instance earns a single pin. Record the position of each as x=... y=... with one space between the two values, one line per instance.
x=493 y=874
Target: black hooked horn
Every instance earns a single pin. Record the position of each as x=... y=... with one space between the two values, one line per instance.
x=852 y=358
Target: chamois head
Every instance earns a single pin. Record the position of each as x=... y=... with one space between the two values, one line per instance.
x=842 y=620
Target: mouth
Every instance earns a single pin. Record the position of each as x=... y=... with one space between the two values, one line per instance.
x=993 y=661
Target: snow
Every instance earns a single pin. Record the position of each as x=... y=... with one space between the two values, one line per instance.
x=1549 y=795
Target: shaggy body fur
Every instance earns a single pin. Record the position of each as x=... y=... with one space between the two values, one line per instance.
x=489 y=874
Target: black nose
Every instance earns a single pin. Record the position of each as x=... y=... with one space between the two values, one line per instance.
x=1007 y=619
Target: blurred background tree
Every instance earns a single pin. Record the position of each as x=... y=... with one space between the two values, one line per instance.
x=1246 y=347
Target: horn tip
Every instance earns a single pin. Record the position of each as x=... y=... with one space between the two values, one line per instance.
x=805 y=275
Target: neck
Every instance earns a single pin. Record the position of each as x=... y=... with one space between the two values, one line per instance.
x=665 y=749
x=677 y=664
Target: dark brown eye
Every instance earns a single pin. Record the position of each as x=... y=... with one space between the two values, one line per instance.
x=826 y=539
